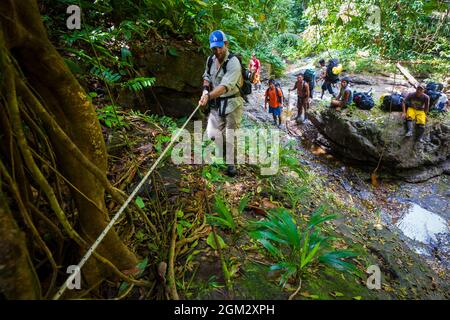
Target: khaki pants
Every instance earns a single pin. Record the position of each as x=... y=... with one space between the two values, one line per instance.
x=218 y=129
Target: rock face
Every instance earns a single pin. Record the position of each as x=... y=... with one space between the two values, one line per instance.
x=360 y=137
x=178 y=86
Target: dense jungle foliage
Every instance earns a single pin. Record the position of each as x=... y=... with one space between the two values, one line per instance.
x=71 y=153
x=413 y=31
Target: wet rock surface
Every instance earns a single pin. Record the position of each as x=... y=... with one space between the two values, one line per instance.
x=416 y=270
x=365 y=140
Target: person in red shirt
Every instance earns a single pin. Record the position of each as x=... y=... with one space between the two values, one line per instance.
x=255 y=67
x=274 y=97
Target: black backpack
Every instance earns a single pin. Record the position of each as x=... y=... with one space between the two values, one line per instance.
x=246 y=88
x=433 y=90
x=434 y=86
x=364 y=100
x=330 y=75
x=309 y=75
x=434 y=96
x=392 y=102
x=278 y=85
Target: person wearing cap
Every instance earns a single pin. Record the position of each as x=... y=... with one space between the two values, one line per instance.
x=255 y=67
x=345 y=96
x=303 y=93
x=418 y=104
x=221 y=92
x=274 y=97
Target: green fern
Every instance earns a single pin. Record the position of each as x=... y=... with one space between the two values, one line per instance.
x=105 y=74
x=295 y=247
x=224 y=217
x=139 y=84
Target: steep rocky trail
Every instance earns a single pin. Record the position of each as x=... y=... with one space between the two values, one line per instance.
x=415 y=214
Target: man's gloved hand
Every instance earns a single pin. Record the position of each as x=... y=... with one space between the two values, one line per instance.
x=203 y=102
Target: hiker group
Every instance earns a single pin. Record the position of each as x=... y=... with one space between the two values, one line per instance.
x=226 y=84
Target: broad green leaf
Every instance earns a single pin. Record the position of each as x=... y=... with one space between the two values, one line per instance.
x=173 y=52
x=179 y=231
x=243 y=204
x=212 y=243
x=310 y=256
x=142 y=265
x=139 y=202
x=218 y=221
x=271 y=248
x=123 y=286
x=334 y=259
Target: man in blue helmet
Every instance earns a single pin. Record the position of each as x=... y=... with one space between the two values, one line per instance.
x=221 y=83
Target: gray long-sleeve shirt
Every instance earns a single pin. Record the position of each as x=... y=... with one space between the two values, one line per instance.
x=231 y=80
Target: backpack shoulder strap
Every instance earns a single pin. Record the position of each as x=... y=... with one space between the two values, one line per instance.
x=210 y=62
x=230 y=56
x=279 y=92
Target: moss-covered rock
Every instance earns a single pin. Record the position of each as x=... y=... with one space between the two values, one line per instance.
x=178 y=70
x=364 y=136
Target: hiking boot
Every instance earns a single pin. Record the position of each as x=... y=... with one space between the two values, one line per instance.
x=231 y=170
x=409 y=125
x=420 y=133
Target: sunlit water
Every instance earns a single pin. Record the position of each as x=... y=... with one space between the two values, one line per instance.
x=422 y=225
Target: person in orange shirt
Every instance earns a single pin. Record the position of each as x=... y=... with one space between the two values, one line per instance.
x=274 y=97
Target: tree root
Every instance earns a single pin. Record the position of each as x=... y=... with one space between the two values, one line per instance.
x=65 y=106
x=172 y=287
x=29 y=222
x=296 y=291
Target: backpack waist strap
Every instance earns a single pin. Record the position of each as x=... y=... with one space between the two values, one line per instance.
x=221 y=103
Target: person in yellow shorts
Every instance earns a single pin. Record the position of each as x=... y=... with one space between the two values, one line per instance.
x=418 y=104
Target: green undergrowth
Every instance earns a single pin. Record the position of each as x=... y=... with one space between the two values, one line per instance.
x=276 y=233
x=426 y=67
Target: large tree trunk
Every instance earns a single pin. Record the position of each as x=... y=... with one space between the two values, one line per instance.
x=45 y=75
x=17 y=277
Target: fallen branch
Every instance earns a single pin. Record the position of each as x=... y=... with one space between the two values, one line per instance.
x=407 y=75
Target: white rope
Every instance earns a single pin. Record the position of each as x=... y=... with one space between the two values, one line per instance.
x=118 y=214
